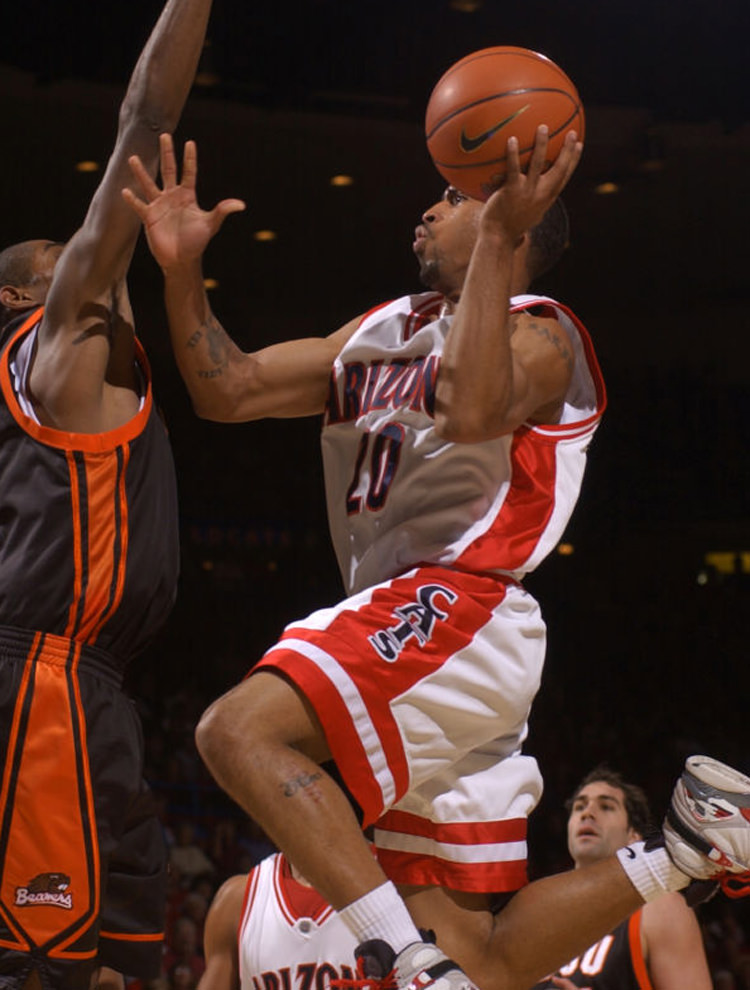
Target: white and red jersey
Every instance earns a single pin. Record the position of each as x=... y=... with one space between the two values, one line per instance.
x=399 y=495
x=289 y=937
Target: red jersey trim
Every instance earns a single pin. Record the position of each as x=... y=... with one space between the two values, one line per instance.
x=521 y=522
x=321 y=909
x=580 y=426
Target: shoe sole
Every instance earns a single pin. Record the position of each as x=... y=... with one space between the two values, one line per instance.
x=717 y=780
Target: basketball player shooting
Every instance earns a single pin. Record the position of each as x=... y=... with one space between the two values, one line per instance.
x=456 y=425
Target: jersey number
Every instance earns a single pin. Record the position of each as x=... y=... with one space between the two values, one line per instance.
x=385 y=452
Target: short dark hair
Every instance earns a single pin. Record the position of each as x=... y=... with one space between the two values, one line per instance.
x=636 y=803
x=549 y=240
x=16 y=264
x=16 y=269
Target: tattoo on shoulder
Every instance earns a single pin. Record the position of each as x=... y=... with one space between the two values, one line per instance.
x=554 y=338
x=291 y=787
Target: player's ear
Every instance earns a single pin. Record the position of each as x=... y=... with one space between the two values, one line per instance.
x=16 y=297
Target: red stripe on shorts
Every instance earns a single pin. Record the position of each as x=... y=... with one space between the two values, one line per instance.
x=458 y=833
x=424 y=870
x=347 y=642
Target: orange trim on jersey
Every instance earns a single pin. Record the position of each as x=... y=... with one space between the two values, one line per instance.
x=62 y=831
x=63 y=439
x=103 y=496
x=16 y=946
x=75 y=501
x=456 y=833
x=636 y=951
x=6 y=895
x=107 y=521
x=88 y=796
x=124 y=532
x=87 y=954
x=122 y=937
x=13 y=737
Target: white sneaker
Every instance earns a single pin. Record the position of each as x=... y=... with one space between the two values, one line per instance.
x=423 y=965
x=707 y=828
x=419 y=966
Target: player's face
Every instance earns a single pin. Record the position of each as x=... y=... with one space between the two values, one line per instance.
x=444 y=240
x=598 y=823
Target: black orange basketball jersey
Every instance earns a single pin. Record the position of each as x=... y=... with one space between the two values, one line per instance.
x=88 y=573
x=615 y=962
x=88 y=522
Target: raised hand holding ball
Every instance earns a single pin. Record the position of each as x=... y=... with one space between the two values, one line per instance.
x=489 y=96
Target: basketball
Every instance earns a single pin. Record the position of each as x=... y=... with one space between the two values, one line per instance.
x=487 y=97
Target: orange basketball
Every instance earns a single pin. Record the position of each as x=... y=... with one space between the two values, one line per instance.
x=487 y=97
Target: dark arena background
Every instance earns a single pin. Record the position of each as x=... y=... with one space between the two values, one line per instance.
x=647 y=600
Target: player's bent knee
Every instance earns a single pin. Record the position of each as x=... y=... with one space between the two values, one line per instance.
x=263 y=711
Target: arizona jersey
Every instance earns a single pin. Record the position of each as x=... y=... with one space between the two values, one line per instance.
x=289 y=937
x=399 y=495
x=615 y=962
x=88 y=522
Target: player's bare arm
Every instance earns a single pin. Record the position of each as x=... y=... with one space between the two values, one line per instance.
x=673 y=945
x=225 y=383
x=495 y=375
x=82 y=378
x=220 y=937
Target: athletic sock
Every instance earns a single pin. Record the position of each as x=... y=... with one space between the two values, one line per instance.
x=381 y=914
x=650 y=870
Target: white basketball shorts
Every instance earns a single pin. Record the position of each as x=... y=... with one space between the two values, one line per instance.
x=423 y=686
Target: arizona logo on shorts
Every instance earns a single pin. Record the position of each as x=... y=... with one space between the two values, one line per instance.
x=49 y=889
x=417 y=620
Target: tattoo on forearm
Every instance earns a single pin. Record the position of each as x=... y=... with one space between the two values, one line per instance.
x=291 y=787
x=556 y=340
x=217 y=344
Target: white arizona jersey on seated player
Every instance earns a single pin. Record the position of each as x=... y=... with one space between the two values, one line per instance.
x=399 y=495
x=289 y=937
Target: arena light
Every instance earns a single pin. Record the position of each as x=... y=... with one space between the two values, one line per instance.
x=565 y=549
x=87 y=166
x=342 y=180
x=607 y=188
x=264 y=235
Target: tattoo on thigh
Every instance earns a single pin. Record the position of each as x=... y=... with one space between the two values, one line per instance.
x=291 y=787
